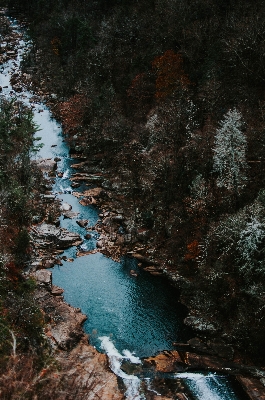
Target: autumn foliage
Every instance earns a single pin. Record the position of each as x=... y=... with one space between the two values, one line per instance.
x=169 y=73
x=72 y=113
x=193 y=250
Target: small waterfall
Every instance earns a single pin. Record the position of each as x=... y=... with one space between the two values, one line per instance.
x=207 y=387
x=132 y=383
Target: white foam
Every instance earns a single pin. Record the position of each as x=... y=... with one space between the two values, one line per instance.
x=132 y=383
x=66 y=174
x=129 y=356
x=202 y=386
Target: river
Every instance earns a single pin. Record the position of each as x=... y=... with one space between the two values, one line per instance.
x=128 y=317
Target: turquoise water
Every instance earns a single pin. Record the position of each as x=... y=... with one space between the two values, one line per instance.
x=139 y=314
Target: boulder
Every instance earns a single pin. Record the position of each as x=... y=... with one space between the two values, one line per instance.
x=178 y=280
x=43 y=278
x=48 y=263
x=153 y=270
x=66 y=207
x=47 y=164
x=167 y=361
x=86 y=375
x=68 y=239
x=82 y=222
x=99 y=244
x=220 y=348
x=57 y=291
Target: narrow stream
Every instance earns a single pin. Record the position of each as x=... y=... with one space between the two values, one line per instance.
x=128 y=317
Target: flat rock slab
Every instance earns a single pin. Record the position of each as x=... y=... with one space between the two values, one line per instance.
x=60 y=237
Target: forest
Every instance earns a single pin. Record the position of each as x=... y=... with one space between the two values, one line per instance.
x=168 y=97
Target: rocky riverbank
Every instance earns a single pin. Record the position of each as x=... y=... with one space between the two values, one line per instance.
x=81 y=372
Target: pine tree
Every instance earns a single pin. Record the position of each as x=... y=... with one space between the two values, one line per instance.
x=229 y=161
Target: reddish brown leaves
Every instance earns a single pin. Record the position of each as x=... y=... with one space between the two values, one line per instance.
x=72 y=113
x=169 y=73
x=193 y=251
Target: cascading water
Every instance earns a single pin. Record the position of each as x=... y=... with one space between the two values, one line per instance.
x=208 y=386
x=131 y=382
x=142 y=314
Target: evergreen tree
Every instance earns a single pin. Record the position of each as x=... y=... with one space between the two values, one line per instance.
x=229 y=161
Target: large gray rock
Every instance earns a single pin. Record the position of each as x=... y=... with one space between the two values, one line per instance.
x=49 y=234
x=43 y=278
x=47 y=164
x=82 y=222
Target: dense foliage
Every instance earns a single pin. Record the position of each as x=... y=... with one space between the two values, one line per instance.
x=169 y=95
x=21 y=320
